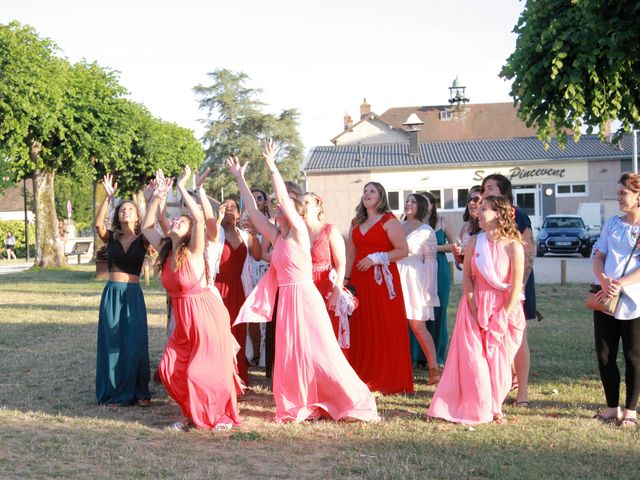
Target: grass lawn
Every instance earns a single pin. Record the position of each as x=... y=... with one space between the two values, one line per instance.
x=50 y=426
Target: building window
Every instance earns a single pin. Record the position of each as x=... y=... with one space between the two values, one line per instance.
x=572 y=190
x=394 y=200
x=446 y=115
x=460 y=198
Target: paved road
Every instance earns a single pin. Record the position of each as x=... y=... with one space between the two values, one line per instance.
x=547 y=269
x=13 y=267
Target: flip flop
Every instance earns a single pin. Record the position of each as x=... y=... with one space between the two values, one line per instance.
x=629 y=422
x=521 y=404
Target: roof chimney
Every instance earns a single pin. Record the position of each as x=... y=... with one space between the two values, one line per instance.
x=365 y=109
x=348 y=122
x=412 y=128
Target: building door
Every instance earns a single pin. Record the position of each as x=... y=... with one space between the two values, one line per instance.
x=528 y=200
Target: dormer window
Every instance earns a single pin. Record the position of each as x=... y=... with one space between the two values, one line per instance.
x=446 y=115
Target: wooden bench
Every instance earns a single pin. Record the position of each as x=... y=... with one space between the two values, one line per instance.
x=79 y=249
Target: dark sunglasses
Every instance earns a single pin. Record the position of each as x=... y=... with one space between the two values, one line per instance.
x=474 y=200
x=259 y=198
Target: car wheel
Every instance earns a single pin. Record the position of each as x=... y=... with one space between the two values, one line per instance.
x=586 y=254
x=539 y=253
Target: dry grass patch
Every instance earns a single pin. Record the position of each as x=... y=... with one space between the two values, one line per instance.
x=51 y=427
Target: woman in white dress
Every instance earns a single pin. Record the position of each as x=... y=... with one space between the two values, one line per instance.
x=419 y=278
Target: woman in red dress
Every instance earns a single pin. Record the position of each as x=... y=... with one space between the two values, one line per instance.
x=198 y=367
x=327 y=254
x=379 y=350
x=233 y=279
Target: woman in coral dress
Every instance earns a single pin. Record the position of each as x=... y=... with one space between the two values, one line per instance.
x=379 y=350
x=198 y=367
x=489 y=324
x=327 y=255
x=311 y=377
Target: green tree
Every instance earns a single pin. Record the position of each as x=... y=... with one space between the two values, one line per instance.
x=576 y=62
x=54 y=118
x=236 y=125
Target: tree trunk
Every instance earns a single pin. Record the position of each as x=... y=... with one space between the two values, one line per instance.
x=49 y=247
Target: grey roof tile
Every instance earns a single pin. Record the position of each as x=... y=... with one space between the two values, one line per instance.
x=460 y=153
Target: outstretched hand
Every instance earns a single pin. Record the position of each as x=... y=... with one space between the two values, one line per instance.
x=162 y=187
x=182 y=180
x=109 y=186
x=236 y=168
x=269 y=153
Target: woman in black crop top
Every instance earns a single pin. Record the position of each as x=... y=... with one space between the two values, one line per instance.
x=122 y=367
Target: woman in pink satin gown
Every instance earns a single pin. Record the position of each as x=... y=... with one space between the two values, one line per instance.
x=311 y=376
x=489 y=324
x=198 y=368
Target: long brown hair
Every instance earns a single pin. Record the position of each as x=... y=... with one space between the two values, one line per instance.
x=116 y=226
x=505 y=222
x=381 y=207
x=432 y=221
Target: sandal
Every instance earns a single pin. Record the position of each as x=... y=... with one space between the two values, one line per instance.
x=521 y=404
x=179 y=426
x=143 y=402
x=500 y=419
x=434 y=376
x=629 y=422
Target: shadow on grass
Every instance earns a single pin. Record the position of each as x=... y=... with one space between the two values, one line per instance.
x=70 y=308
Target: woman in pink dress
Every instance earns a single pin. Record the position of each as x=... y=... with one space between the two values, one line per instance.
x=198 y=367
x=311 y=377
x=327 y=254
x=489 y=324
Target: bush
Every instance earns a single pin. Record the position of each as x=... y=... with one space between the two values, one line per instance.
x=17 y=228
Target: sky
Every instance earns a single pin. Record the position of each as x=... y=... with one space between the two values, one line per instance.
x=321 y=58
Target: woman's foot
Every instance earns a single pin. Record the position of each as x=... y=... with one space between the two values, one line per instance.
x=182 y=425
x=143 y=402
x=609 y=415
x=629 y=419
x=500 y=419
x=434 y=376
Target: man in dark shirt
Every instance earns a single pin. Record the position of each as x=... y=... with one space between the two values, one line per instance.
x=499 y=185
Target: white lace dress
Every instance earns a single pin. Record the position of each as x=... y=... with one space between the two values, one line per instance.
x=419 y=274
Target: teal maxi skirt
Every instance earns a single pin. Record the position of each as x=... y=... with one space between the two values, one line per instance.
x=122 y=366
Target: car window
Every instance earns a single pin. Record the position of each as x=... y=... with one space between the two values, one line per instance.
x=563 y=223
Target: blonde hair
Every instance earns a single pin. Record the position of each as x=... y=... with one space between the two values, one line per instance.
x=319 y=203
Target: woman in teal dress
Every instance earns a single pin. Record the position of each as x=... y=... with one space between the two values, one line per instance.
x=437 y=328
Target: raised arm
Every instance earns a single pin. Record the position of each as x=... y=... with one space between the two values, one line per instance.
x=110 y=188
x=154 y=204
x=197 y=243
x=282 y=196
x=266 y=228
x=210 y=223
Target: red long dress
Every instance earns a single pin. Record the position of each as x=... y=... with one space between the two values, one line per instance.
x=229 y=284
x=321 y=268
x=198 y=366
x=379 y=351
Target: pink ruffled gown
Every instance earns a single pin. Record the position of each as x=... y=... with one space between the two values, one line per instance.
x=311 y=376
x=477 y=374
x=198 y=367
